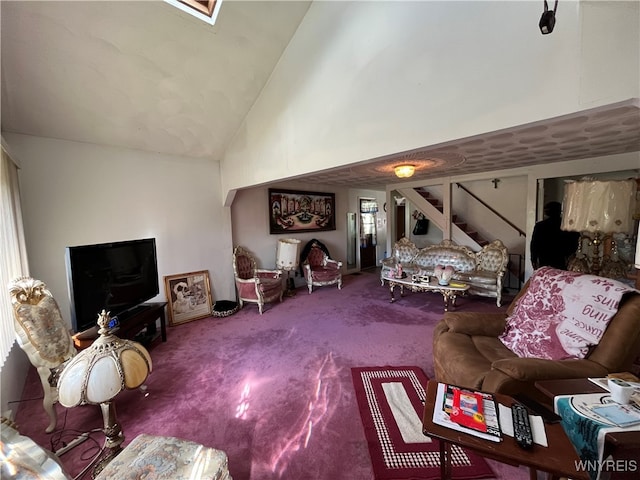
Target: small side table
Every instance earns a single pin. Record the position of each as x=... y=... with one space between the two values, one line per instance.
x=558 y=459
x=622 y=446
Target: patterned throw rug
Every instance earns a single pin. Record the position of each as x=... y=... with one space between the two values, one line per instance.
x=390 y=400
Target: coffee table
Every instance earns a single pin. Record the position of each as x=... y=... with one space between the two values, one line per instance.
x=426 y=284
x=558 y=459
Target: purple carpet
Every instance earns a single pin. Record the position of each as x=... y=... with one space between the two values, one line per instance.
x=273 y=391
x=391 y=403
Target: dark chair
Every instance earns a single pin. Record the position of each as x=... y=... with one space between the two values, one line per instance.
x=320 y=270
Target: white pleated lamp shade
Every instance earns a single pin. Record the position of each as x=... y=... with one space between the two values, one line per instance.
x=99 y=373
x=598 y=206
x=287 y=253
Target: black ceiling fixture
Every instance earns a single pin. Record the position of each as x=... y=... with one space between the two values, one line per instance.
x=548 y=19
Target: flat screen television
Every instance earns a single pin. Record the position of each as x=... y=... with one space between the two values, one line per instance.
x=116 y=277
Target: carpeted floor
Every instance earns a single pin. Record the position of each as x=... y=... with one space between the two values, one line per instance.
x=274 y=391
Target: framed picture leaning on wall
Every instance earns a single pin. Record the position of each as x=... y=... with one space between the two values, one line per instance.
x=188 y=296
x=300 y=211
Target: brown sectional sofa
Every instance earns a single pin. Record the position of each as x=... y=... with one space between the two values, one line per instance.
x=483 y=271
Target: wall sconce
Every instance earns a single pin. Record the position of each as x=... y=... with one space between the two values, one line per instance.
x=404 y=171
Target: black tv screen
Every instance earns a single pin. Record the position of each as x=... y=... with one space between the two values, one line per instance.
x=114 y=276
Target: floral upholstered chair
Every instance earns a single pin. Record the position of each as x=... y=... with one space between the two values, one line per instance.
x=43 y=335
x=319 y=269
x=255 y=285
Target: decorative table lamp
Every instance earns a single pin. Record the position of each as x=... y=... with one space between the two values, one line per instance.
x=287 y=259
x=598 y=208
x=98 y=374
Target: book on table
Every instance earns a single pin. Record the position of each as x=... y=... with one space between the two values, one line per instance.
x=458 y=408
x=468 y=410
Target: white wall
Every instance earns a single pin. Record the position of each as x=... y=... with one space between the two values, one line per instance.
x=250 y=223
x=77 y=194
x=360 y=80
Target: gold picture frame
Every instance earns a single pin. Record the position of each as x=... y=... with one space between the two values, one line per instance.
x=188 y=296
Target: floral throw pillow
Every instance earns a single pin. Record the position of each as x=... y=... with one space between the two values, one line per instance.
x=562 y=314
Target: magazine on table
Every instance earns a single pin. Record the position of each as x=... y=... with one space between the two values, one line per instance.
x=444 y=407
x=621 y=415
x=468 y=409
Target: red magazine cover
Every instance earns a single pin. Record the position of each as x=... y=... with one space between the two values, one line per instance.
x=467 y=409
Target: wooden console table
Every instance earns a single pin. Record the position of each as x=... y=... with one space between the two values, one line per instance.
x=143 y=316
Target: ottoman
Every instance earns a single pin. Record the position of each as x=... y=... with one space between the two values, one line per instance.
x=166 y=458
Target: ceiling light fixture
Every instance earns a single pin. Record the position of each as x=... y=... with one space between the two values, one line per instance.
x=404 y=171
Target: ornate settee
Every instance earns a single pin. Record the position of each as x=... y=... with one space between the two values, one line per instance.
x=555 y=328
x=483 y=270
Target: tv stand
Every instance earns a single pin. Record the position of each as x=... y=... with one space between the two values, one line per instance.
x=130 y=326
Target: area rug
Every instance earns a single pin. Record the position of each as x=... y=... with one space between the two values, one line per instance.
x=391 y=403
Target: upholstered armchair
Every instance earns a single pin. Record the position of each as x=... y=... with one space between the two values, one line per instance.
x=319 y=269
x=468 y=349
x=255 y=285
x=43 y=335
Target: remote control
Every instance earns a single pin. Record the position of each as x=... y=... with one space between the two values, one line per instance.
x=548 y=415
x=521 y=428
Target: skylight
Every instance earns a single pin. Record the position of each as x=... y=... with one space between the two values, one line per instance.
x=205 y=10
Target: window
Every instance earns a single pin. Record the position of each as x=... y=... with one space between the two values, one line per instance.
x=203 y=6
x=205 y=10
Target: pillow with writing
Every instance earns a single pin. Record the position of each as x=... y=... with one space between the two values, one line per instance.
x=561 y=314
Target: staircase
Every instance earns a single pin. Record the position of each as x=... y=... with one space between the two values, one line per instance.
x=456 y=220
x=461 y=232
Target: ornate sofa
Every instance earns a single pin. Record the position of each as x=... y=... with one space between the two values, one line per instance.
x=483 y=271
x=470 y=348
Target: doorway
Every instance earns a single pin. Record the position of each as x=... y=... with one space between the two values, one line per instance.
x=368 y=232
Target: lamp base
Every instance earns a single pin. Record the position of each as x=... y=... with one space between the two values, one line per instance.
x=114 y=437
x=104 y=460
x=291 y=288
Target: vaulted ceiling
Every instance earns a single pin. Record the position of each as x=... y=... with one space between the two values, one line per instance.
x=145 y=75
x=142 y=75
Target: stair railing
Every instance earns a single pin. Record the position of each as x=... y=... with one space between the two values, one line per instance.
x=495 y=212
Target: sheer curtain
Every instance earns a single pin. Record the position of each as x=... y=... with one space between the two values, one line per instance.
x=13 y=253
